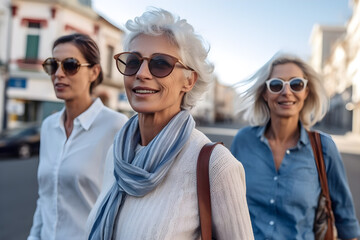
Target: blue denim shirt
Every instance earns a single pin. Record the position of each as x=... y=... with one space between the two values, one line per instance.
x=282 y=202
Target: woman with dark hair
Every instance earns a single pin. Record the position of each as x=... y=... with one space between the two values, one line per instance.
x=74 y=141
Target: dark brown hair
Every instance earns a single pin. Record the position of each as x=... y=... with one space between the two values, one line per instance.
x=88 y=49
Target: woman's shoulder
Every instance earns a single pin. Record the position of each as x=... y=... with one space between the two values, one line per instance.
x=247 y=130
x=108 y=112
x=222 y=158
x=54 y=116
x=326 y=140
x=224 y=168
x=193 y=146
x=51 y=120
x=198 y=137
x=329 y=148
x=110 y=120
x=246 y=133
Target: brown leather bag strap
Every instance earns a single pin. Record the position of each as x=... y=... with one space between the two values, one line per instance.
x=319 y=159
x=203 y=189
x=318 y=154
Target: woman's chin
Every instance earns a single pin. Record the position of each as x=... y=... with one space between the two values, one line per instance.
x=60 y=96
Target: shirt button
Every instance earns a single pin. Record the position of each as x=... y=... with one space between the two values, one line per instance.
x=288 y=151
x=271 y=223
x=272 y=201
x=275 y=178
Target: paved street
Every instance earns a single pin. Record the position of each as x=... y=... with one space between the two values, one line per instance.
x=18 y=194
x=18 y=184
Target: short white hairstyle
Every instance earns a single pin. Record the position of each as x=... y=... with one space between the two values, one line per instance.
x=193 y=53
x=255 y=109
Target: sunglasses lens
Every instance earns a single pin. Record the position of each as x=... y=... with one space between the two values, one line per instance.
x=50 y=66
x=128 y=63
x=70 y=66
x=297 y=84
x=161 y=65
x=276 y=85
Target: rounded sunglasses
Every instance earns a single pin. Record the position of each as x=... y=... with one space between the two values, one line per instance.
x=160 y=65
x=276 y=85
x=70 y=66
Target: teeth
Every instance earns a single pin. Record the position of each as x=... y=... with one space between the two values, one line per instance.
x=144 y=91
x=287 y=103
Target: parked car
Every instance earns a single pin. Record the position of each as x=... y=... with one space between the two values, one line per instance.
x=20 y=142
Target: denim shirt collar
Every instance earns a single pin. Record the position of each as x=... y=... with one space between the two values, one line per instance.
x=304 y=138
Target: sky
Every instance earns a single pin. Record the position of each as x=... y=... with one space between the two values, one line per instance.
x=242 y=34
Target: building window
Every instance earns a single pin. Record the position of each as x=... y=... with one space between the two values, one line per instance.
x=32 y=42
x=110 y=61
x=32 y=47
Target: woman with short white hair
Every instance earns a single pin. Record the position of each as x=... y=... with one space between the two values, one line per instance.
x=150 y=189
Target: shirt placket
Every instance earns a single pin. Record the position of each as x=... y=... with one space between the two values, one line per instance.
x=66 y=143
x=273 y=204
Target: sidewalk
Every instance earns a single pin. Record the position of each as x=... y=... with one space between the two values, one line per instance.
x=348 y=143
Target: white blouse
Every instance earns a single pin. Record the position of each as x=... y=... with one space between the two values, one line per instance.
x=170 y=211
x=70 y=171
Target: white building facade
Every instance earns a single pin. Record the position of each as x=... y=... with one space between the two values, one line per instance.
x=322 y=41
x=34 y=25
x=342 y=74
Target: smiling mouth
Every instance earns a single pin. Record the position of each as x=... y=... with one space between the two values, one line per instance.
x=286 y=103
x=144 y=91
x=60 y=85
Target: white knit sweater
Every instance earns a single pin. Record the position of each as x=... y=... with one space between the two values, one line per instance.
x=170 y=211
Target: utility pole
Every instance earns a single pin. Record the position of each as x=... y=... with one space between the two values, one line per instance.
x=7 y=64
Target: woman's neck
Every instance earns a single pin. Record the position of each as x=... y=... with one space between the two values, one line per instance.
x=72 y=110
x=151 y=125
x=283 y=130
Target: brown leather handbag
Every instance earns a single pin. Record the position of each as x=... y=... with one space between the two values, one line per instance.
x=324 y=225
x=203 y=189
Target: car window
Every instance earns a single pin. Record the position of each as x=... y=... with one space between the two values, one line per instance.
x=9 y=133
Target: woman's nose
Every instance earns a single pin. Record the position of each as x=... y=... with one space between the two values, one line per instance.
x=286 y=89
x=144 y=71
x=59 y=71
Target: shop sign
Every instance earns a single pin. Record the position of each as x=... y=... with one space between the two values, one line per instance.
x=16 y=82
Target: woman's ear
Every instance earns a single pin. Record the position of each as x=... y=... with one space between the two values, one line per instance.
x=190 y=80
x=94 y=72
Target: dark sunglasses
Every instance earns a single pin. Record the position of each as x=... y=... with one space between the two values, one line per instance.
x=70 y=66
x=276 y=85
x=160 y=65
